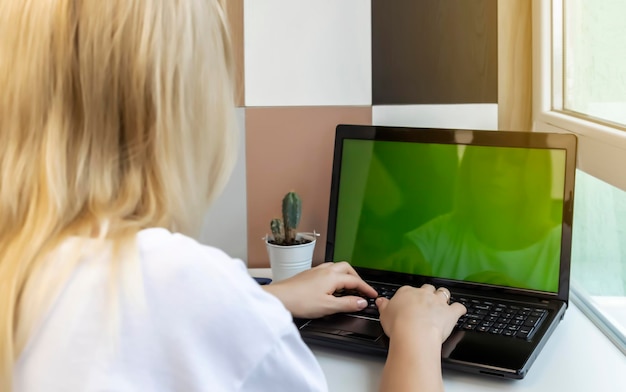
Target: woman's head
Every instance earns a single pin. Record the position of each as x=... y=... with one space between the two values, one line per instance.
x=115 y=115
x=113 y=110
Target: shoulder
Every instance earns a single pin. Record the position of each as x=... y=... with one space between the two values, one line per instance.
x=176 y=268
x=206 y=304
x=199 y=289
x=168 y=255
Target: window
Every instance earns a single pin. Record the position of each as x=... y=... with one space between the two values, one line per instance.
x=594 y=60
x=580 y=86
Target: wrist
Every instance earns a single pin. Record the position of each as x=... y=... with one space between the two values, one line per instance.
x=414 y=361
x=423 y=334
x=276 y=289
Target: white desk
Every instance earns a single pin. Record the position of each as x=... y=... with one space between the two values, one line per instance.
x=577 y=357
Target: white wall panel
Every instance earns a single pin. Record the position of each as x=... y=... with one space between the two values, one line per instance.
x=225 y=224
x=307 y=52
x=457 y=116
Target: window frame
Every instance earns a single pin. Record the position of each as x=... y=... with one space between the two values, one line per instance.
x=601 y=147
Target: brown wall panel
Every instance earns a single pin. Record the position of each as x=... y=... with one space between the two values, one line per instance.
x=291 y=148
x=234 y=11
x=434 y=51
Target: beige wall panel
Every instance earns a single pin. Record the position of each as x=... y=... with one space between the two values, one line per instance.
x=234 y=10
x=291 y=148
x=514 y=65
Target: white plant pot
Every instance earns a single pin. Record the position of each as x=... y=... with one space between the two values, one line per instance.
x=287 y=261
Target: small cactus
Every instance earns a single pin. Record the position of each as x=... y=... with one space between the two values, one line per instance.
x=278 y=230
x=284 y=231
x=292 y=211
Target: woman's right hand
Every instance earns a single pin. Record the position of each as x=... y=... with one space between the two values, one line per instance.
x=417 y=321
x=421 y=310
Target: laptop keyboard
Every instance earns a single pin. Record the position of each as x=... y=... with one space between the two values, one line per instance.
x=485 y=316
x=500 y=318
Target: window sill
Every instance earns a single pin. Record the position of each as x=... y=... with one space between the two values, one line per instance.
x=607 y=313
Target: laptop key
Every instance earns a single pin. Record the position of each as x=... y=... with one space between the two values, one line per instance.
x=523 y=332
x=531 y=321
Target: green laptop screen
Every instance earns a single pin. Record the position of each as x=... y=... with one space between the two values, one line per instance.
x=481 y=214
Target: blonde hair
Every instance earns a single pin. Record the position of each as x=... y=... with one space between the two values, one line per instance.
x=115 y=116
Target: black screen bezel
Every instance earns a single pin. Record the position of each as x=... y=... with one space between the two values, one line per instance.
x=562 y=141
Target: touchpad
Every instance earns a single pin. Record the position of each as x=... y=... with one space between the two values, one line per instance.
x=346 y=325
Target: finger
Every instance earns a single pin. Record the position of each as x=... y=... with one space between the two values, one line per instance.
x=348 y=303
x=444 y=292
x=428 y=287
x=381 y=303
x=352 y=282
x=458 y=309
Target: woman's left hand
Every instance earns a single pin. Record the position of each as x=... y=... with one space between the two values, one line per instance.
x=310 y=294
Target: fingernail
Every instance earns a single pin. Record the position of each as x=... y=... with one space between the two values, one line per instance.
x=361 y=303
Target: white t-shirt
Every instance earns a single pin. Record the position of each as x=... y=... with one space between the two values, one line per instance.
x=202 y=324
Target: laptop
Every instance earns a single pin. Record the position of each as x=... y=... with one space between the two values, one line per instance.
x=487 y=214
